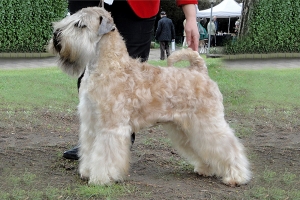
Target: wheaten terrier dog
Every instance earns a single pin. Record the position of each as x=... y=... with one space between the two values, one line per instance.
x=120 y=95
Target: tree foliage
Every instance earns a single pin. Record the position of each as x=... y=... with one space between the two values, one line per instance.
x=270 y=26
x=26 y=24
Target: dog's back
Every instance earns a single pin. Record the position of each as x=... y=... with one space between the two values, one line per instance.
x=196 y=62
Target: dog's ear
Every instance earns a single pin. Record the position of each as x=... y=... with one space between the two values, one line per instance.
x=105 y=26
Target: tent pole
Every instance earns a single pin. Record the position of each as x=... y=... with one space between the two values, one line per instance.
x=210 y=21
x=229 y=25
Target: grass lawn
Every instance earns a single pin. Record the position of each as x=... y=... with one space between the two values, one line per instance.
x=268 y=98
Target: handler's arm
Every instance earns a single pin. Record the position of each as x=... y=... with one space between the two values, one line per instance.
x=191 y=30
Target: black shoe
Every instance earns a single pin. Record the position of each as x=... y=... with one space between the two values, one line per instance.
x=132 y=138
x=72 y=154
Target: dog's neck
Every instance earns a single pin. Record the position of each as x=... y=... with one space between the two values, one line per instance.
x=111 y=53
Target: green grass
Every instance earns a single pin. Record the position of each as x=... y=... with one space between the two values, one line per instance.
x=267 y=95
x=36 y=88
x=23 y=187
x=268 y=87
x=23 y=92
x=49 y=88
x=274 y=186
x=30 y=88
x=107 y=192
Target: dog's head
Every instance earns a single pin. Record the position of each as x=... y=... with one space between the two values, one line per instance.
x=76 y=36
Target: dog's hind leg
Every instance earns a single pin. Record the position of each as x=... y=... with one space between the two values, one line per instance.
x=110 y=155
x=214 y=141
x=181 y=142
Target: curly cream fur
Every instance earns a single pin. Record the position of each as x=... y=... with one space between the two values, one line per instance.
x=120 y=95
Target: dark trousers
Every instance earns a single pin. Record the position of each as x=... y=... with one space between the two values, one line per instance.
x=136 y=32
x=213 y=40
x=164 y=47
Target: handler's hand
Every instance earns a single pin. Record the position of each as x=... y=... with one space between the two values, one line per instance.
x=191 y=29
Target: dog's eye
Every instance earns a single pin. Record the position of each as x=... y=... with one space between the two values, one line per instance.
x=78 y=25
x=101 y=18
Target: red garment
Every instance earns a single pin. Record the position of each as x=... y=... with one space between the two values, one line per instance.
x=183 y=2
x=149 y=8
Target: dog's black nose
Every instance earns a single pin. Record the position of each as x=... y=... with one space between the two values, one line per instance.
x=56 y=40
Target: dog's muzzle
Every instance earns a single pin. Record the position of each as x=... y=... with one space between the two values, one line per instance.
x=56 y=40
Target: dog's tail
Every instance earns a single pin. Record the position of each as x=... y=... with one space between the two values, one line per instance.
x=193 y=57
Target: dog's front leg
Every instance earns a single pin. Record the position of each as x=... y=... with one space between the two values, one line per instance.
x=85 y=151
x=110 y=155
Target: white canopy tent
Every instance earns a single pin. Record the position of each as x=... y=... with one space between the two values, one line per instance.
x=225 y=9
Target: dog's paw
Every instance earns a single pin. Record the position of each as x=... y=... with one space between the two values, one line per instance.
x=233 y=185
x=204 y=171
x=85 y=178
x=230 y=182
x=84 y=172
x=237 y=180
x=100 y=181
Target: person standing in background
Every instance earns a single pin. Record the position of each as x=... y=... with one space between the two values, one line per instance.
x=184 y=44
x=217 y=28
x=237 y=27
x=203 y=35
x=165 y=33
x=211 y=29
x=216 y=23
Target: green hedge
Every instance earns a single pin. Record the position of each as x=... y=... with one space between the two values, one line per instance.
x=26 y=24
x=274 y=27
